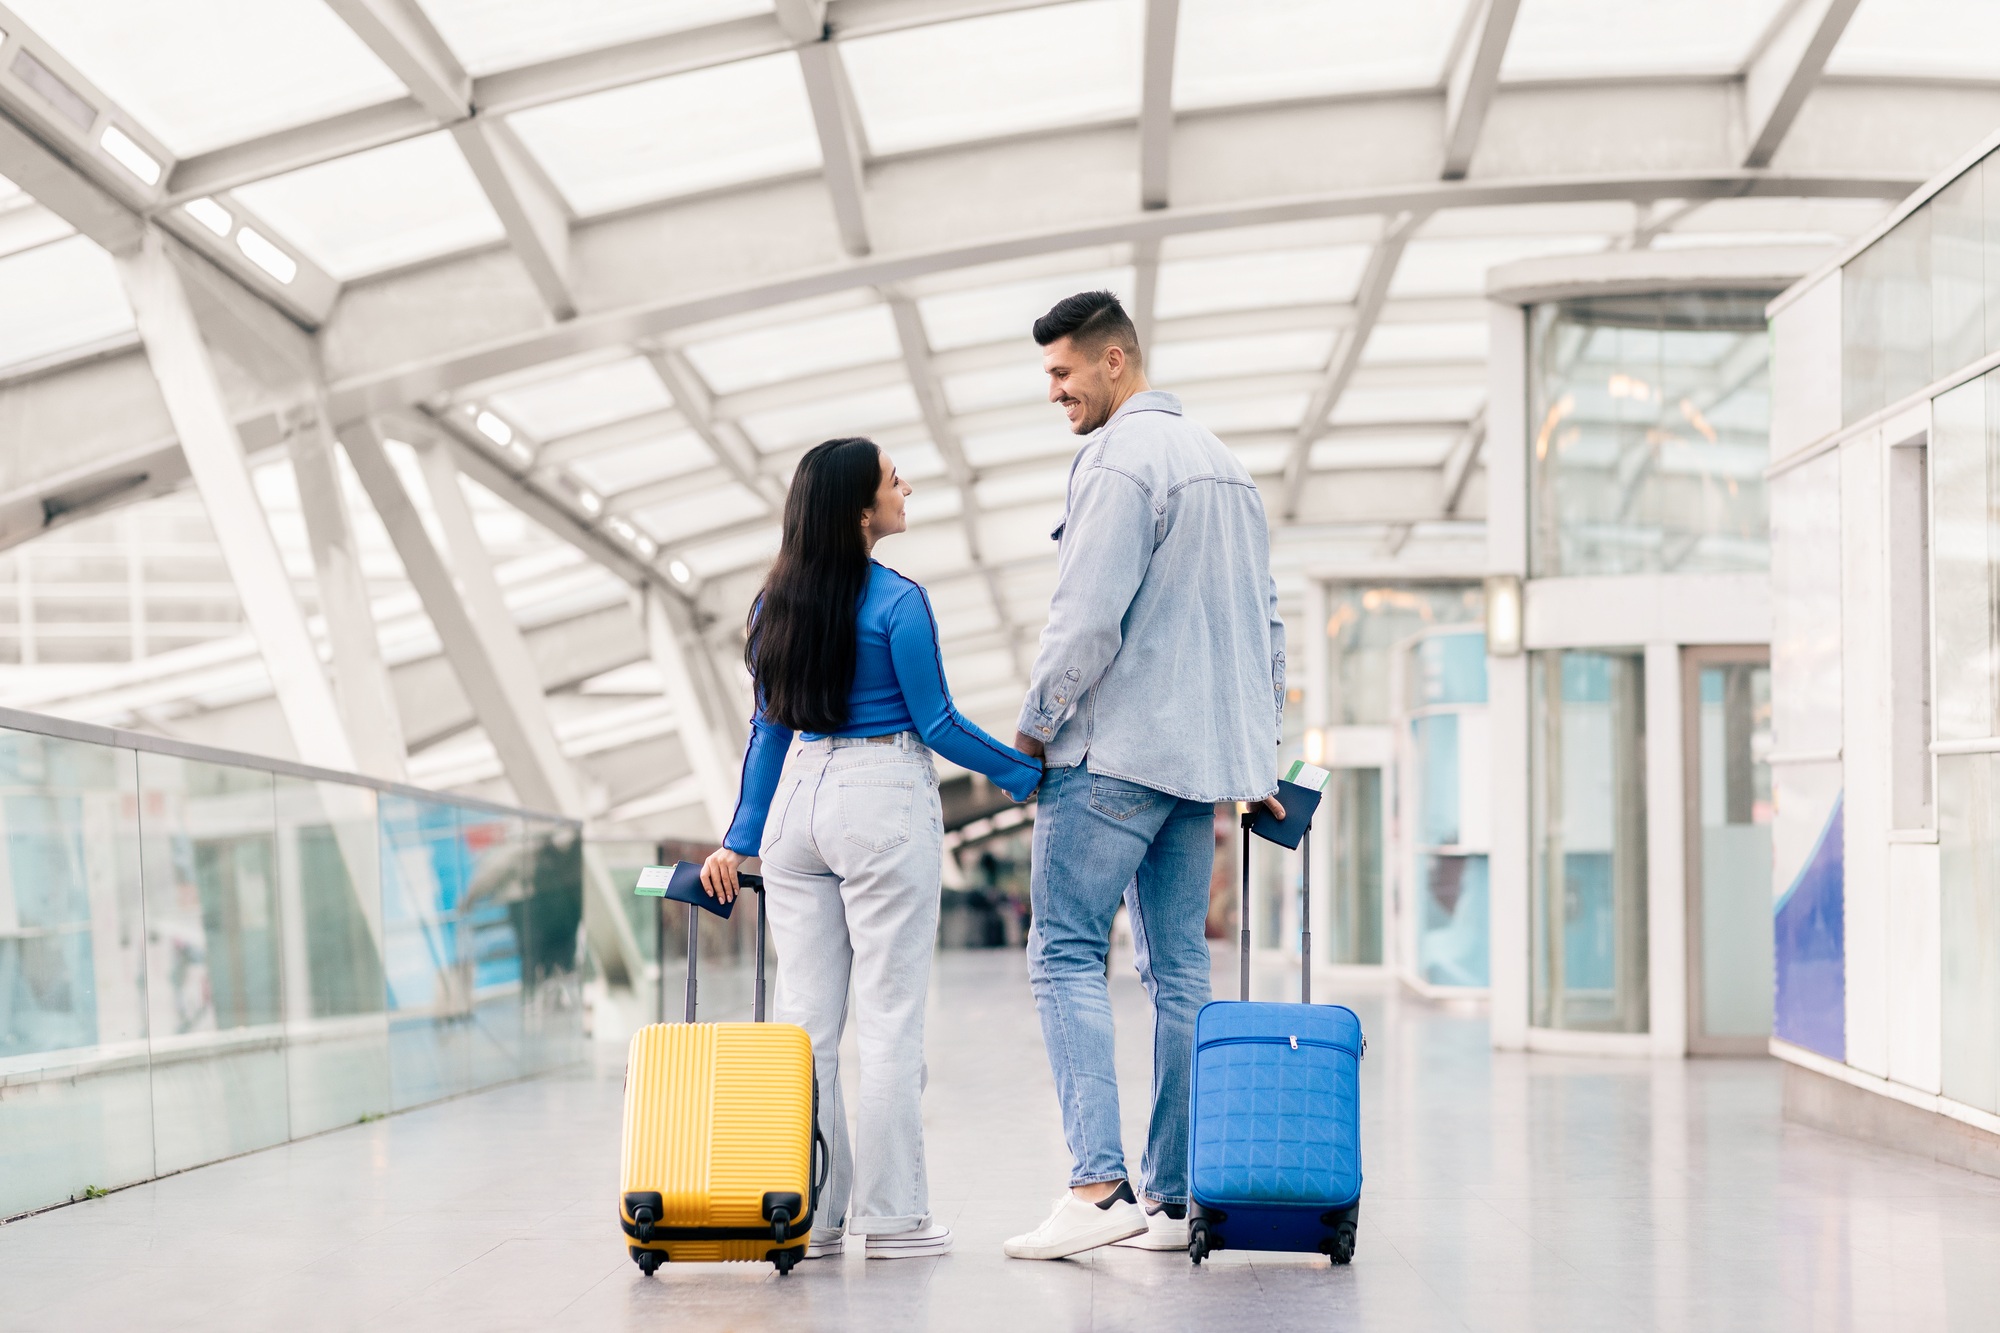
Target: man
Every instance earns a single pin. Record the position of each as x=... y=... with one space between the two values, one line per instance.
x=1158 y=691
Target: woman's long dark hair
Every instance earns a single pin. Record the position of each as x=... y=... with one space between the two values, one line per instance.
x=800 y=636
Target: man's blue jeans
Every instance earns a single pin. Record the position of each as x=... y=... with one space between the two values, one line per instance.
x=1097 y=840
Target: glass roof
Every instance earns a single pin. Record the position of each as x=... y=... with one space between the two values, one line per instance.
x=1007 y=311
x=674 y=136
x=829 y=418
x=1263 y=278
x=203 y=73
x=57 y=297
x=1407 y=343
x=1939 y=38
x=1232 y=51
x=794 y=348
x=670 y=455
x=576 y=402
x=487 y=35
x=1001 y=74
x=357 y=215
x=1567 y=38
x=1260 y=354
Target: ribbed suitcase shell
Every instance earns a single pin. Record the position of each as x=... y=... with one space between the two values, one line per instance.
x=716 y=1116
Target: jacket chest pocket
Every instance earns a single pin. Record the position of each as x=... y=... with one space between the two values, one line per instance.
x=875 y=810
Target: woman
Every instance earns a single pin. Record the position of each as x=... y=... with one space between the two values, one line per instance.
x=845 y=657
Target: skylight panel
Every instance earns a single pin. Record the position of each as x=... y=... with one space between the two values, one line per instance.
x=1001 y=74
x=59 y=297
x=831 y=418
x=1459 y=267
x=488 y=35
x=1002 y=386
x=1556 y=39
x=1921 y=37
x=1228 y=416
x=699 y=131
x=678 y=520
x=990 y=448
x=1168 y=364
x=732 y=553
x=593 y=397
x=1405 y=344
x=1008 y=311
x=1310 y=234
x=1398 y=449
x=1254 y=281
x=1386 y=406
x=395 y=205
x=1235 y=51
x=793 y=349
x=201 y=75
x=671 y=455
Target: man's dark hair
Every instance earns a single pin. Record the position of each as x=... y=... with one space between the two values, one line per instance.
x=1090 y=320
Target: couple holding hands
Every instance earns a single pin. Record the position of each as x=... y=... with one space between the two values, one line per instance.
x=1158 y=691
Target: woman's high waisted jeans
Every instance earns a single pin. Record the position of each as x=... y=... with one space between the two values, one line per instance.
x=852 y=854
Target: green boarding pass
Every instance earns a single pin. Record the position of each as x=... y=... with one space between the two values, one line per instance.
x=1310 y=776
x=653 y=881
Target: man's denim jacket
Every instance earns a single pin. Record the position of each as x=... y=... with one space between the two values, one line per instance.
x=1163 y=661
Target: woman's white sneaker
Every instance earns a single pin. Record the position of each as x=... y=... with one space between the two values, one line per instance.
x=828 y=1244
x=918 y=1244
x=1076 y=1226
x=1161 y=1233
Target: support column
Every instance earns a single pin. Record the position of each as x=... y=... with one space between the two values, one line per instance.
x=714 y=768
x=478 y=636
x=202 y=419
x=1507 y=704
x=360 y=677
x=1666 y=853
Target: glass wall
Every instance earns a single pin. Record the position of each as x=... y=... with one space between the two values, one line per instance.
x=1449 y=777
x=1924 y=300
x=1732 y=873
x=1650 y=417
x=202 y=955
x=1365 y=621
x=1965 y=449
x=1587 y=828
x=1353 y=931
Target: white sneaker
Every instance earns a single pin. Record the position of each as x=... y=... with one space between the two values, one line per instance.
x=828 y=1244
x=1161 y=1233
x=918 y=1244
x=1076 y=1226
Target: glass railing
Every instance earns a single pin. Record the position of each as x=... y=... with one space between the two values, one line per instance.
x=204 y=953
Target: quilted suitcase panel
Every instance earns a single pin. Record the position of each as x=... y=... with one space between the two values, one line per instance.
x=1276 y=1106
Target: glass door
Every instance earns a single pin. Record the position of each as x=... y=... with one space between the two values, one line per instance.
x=1727 y=707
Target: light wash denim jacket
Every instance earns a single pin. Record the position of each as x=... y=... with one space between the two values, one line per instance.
x=1163 y=660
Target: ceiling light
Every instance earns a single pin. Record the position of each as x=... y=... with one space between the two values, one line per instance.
x=211 y=215
x=680 y=572
x=519 y=448
x=494 y=429
x=68 y=102
x=126 y=152
x=647 y=546
x=259 y=251
x=592 y=502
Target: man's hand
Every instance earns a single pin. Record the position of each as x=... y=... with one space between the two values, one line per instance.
x=1029 y=746
x=718 y=874
x=1275 y=806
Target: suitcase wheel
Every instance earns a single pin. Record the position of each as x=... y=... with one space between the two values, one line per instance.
x=784 y=1259
x=1340 y=1248
x=648 y=1260
x=1198 y=1246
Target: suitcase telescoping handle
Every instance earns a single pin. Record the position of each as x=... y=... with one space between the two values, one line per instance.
x=754 y=883
x=1305 y=911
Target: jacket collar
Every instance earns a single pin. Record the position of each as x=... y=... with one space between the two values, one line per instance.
x=1151 y=400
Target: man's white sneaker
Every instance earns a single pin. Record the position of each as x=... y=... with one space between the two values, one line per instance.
x=1076 y=1226
x=918 y=1244
x=1161 y=1233
x=826 y=1244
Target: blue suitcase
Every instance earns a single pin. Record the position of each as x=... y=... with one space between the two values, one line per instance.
x=1274 y=1142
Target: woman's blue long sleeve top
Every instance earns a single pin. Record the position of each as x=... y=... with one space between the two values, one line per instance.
x=899 y=685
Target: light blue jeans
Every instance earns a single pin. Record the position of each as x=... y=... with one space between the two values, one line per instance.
x=1099 y=840
x=852 y=854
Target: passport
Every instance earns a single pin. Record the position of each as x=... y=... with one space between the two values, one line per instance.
x=1299 y=803
x=682 y=883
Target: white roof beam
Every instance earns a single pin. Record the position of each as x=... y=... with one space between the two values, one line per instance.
x=673 y=643
x=1785 y=69
x=530 y=208
x=1145 y=293
x=1346 y=359
x=1156 y=102
x=834 y=119
x=724 y=438
x=1458 y=467
x=1472 y=81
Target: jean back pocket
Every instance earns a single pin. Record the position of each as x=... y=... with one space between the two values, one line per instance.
x=875 y=808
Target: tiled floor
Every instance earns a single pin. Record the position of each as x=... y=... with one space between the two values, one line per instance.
x=1503 y=1192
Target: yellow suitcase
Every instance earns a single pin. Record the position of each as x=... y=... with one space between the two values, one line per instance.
x=722 y=1156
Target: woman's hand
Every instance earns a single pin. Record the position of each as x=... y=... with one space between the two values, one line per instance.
x=718 y=874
